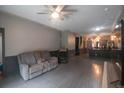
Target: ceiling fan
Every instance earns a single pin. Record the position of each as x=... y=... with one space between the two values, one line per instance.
x=57 y=11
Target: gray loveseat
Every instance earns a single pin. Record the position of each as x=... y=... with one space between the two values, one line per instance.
x=32 y=64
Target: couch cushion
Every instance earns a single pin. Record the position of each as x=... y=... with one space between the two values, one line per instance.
x=46 y=55
x=28 y=58
x=46 y=65
x=35 y=68
x=37 y=55
x=40 y=60
x=53 y=62
x=54 y=58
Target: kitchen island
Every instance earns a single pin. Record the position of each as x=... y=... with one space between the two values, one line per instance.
x=105 y=53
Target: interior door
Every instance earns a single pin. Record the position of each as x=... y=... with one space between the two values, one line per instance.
x=77 y=46
x=2 y=50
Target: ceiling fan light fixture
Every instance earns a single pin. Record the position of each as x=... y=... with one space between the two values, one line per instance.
x=55 y=15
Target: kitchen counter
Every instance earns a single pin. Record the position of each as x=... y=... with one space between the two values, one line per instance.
x=105 y=53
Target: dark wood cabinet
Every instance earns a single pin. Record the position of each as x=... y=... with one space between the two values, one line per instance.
x=112 y=54
x=63 y=56
x=1 y=70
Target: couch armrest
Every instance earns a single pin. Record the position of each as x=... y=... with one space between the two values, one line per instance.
x=24 y=71
x=54 y=58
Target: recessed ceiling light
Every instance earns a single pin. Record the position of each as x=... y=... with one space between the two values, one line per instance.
x=97 y=29
x=116 y=26
x=105 y=9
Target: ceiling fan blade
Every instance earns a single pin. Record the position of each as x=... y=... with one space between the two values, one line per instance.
x=70 y=10
x=66 y=13
x=59 y=8
x=41 y=13
x=62 y=18
x=50 y=7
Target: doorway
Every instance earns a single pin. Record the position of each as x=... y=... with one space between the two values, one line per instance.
x=2 y=49
x=77 y=46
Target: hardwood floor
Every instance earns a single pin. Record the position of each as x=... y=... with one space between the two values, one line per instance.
x=79 y=72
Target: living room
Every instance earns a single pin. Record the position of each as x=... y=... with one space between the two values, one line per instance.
x=45 y=44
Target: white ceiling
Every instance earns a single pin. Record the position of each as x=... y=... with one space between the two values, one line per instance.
x=85 y=19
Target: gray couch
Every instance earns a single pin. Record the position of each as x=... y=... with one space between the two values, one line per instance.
x=32 y=64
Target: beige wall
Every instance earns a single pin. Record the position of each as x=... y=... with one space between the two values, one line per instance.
x=67 y=40
x=64 y=39
x=23 y=35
